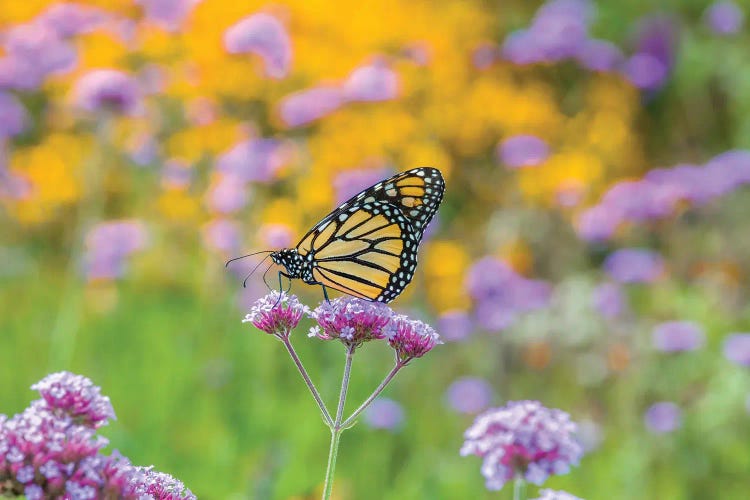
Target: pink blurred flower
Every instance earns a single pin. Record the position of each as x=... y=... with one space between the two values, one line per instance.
x=371 y=83
x=384 y=413
x=107 y=90
x=222 y=235
x=169 y=14
x=263 y=35
x=305 y=106
x=276 y=236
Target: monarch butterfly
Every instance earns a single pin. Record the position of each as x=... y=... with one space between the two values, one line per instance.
x=367 y=247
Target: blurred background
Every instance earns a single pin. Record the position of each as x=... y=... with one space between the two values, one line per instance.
x=592 y=251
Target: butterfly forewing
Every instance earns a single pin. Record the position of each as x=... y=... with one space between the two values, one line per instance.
x=367 y=247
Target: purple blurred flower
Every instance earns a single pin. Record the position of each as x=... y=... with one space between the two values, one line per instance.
x=645 y=71
x=501 y=294
x=263 y=35
x=522 y=438
x=51 y=449
x=41 y=48
x=276 y=235
x=557 y=32
x=13 y=116
x=69 y=19
x=522 y=151
x=724 y=18
x=737 y=348
x=77 y=397
x=107 y=90
x=634 y=265
x=144 y=150
x=109 y=244
x=252 y=160
x=655 y=52
x=226 y=194
x=589 y=435
x=455 y=326
x=351 y=182
x=547 y=494
x=663 y=417
x=676 y=336
x=169 y=14
x=609 y=300
x=277 y=314
x=599 y=55
x=411 y=338
x=351 y=320
x=485 y=55
x=305 y=106
x=469 y=395
x=598 y=223
x=420 y=53
x=176 y=174
x=384 y=413
x=222 y=235
x=371 y=83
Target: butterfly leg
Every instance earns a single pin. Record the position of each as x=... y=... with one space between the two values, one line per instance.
x=281 y=288
x=325 y=293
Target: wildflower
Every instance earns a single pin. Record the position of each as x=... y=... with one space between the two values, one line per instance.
x=263 y=35
x=455 y=325
x=351 y=320
x=599 y=55
x=371 y=83
x=525 y=439
x=384 y=413
x=608 y=300
x=168 y=14
x=501 y=294
x=724 y=18
x=276 y=235
x=522 y=151
x=656 y=42
x=303 y=107
x=663 y=417
x=13 y=116
x=109 y=244
x=226 y=194
x=77 y=397
x=152 y=484
x=634 y=265
x=676 y=336
x=411 y=338
x=40 y=49
x=469 y=395
x=107 y=90
x=69 y=19
x=51 y=449
x=278 y=313
x=737 y=348
x=252 y=160
x=547 y=494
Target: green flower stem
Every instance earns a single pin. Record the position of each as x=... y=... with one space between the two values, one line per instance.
x=519 y=488
x=349 y=421
x=68 y=319
x=337 y=428
x=315 y=394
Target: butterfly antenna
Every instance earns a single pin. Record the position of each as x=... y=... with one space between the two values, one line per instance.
x=244 y=282
x=248 y=255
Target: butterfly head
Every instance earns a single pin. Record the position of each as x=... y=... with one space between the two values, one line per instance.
x=291 y=260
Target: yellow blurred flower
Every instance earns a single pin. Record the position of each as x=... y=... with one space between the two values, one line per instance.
x=444 y=266
x=559 y=174
x=100 y=49
x=179 y=206
x=194 y=142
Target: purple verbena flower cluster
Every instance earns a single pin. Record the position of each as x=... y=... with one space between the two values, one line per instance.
x=737 y=348
x=109 y=244
x=501 y=294
x=351 y=320
x=411 y=338
x=263 y=35
x=372 y=82
x=522 y=151
x=547 y=494
x=108 y=90
x=525 y=439
x=662 y=191
x=278 y=313
x=677 y=336
x=52 y=450
x=634 y=265
x=663 y=417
